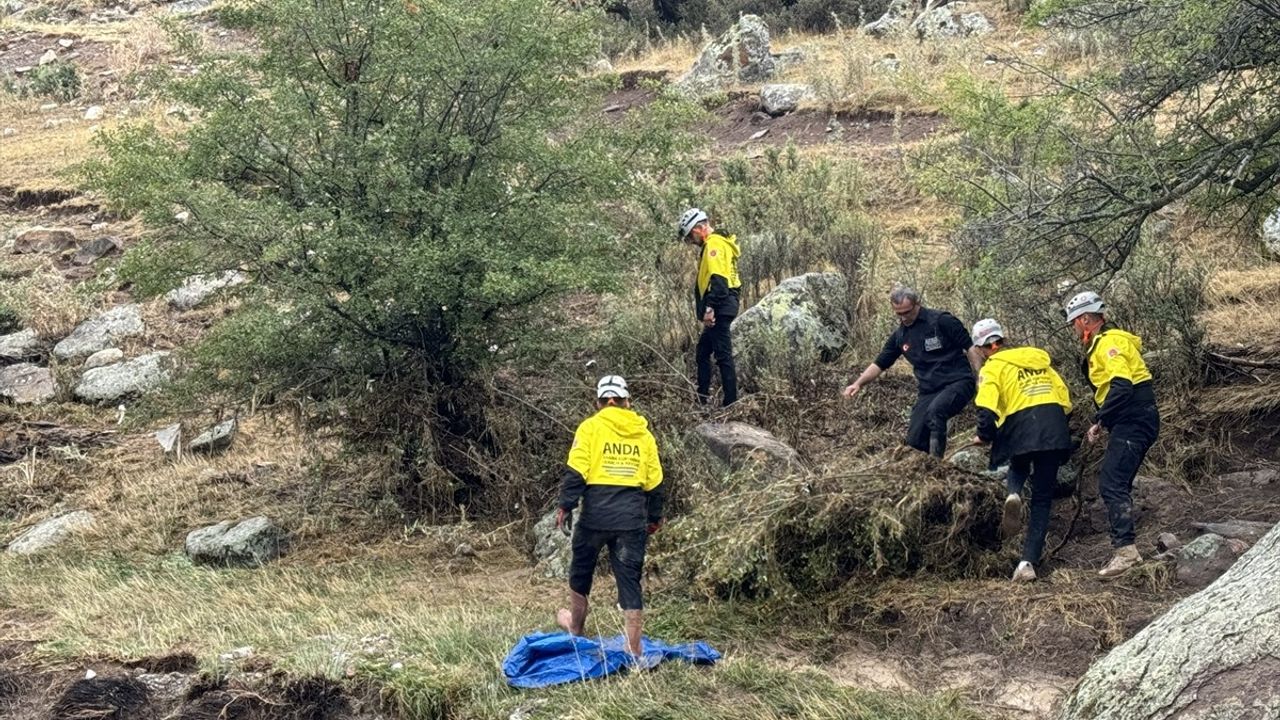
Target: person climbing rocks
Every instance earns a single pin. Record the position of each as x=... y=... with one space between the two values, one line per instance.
x=716 y=301
x=614 y=470
x=1126 y=402
x=944 y=360
x=1022 y=414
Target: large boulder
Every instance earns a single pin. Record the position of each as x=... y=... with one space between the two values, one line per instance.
x=803 y=319
x=957 y=19
x=782 y=98
x=101 y=332
x=896 y=19
x=1202 y=560
x=50 y=533
x=20 y=346
x=199 y=288
x=44 y=240
x=1271 y=234
x=249 y=543
x=123 y=380
x=551 y=548
x=27 y=384
x=741 y=54
x=741 y=445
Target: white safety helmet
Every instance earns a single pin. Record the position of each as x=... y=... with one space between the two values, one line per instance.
x=688 y=220
x=612 y=386
x=1085 y=302
x=987 y=331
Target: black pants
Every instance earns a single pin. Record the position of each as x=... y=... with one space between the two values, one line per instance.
x=1042 y=468
x=1126 y=449
x=715 y=341
x=626 y=558
x=930 y=415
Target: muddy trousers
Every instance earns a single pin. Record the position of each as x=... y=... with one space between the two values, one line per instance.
x=1126 y=449
x=1042 y=469
x=626 y=558
x=715 y=340
x=927 y=431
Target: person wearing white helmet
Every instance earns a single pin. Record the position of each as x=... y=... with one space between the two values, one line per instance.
x=716 y=300
x=614 y=470
x=1022 y=414
x=943 y=359
x=1126 y=403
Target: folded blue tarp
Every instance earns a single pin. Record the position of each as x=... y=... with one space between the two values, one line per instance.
x=544 y=659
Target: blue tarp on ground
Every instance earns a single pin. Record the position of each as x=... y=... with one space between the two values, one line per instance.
x=544 y=659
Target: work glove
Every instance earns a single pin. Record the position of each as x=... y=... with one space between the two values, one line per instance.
x=564 y=521
x=653 y=527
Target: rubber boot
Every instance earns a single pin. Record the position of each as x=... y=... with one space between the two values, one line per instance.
x=634 y=623
x=937 y=446
x=573 y=618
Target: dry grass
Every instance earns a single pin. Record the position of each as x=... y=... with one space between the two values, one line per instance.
x=43 y=299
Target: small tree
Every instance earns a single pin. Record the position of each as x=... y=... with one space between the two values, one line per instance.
x=409 y=185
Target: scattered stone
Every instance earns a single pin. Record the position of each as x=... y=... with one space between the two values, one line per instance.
x=19 y=346
x=971 y=459
x=1243 y=478
x=166 y=688
x=51 y=533
x=1167 y=541
x=803 y=319
x=780 y=99
x=1202 y=560
x=183 y=216
x=951 y=21
x=1247 y=530
x=124 y=380
x=10 y=132
x=187 y=7
x=741 y=445
x=48 y=57
x=101 y=332
x=66 y=42
x=198 y=288
x=1271 y=234
x=249 y=543
x=741 y=54
x=759 y=134
x=240 y=653
x=551 y=548
x=894 y=20
x=216 y=438
x=602 y=66
x=95 y=112
x=170 y=438
x=95 y=250
x=44 y=240
x=27 y=384
x=103 y=358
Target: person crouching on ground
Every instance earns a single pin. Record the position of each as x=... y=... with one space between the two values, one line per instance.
x=943 y=359
x=613 y=468
x=1126 y=402
x=1022 y=413
x=716 y=301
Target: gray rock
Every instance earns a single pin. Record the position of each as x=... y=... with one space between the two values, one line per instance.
x=101 y=332
x=789 y=58
x=1271 y=234
x=44 y=240
x=1167 y=541
x=95 y=250
x=741 y=445
x=1250 y=478
x=1247 y=530
x=199 y=288
x=123 y=380
x=215 y=439
x=951 y=21
x=27 y=384
x=94 y=113
x=188 y=7
x=1202 y=560
x=974 y=460
x=249 y=543
x=165 y=688
x=102 y=358
x=803 y=319
x=741 y=54
x=894 y=20
x=50 y=533
x=19 y=346
x=551 y=548
x=170 y=438
x=782 y=98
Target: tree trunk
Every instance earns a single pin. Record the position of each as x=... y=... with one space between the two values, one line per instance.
x=1214 y=655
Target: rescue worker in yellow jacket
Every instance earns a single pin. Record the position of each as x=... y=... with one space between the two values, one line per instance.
x=1022 y=413
x=614 y=470
x=1126 y=402
x=716 y=301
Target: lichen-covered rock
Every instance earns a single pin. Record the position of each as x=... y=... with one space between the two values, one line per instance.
x=552 y=548
x=199 y=288
x=95 y=250
x=103 y=358
x=741 y=54
x=1202 y=560
x=20 y=346
x=782 y=98
x=894 y=20
x=44 y=240
x=101 y=332
x=803 y=319
x=249 y=543
x=116 y=382
x=741 y=445
x=50 y=533
x=27 y=384
x=215 y=439
x=951 y=21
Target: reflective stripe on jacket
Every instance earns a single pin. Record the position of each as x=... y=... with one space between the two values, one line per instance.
x=1022 y=404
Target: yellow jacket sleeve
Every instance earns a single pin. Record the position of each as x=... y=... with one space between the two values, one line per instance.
x=653 y=470
x=580 y=451
x=1113 y=355
x=988 y=390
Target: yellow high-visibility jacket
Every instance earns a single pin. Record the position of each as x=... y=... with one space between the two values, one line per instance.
x=1022 y=404
x=1119 y=376
x=614 y=468
x=718 y=281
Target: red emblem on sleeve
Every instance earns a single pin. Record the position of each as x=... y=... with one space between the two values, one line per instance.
x=713 y=253
x=1113 y=352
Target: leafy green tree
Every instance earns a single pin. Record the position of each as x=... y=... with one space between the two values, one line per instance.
x=410 y=186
